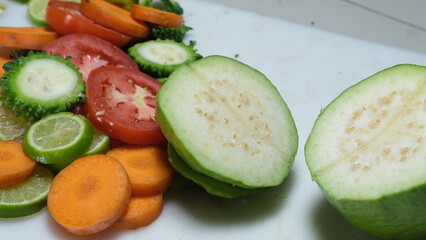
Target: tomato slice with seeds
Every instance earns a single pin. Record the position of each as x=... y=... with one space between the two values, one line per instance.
x=89 y=52
x=120 y=102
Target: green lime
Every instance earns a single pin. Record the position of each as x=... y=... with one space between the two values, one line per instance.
x=28 y=197
x=37 y=12
x=100 y=144
x=11 y=126
x=58 y=138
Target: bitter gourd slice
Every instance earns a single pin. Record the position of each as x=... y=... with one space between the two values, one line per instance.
x=41 y=84
x=160 y=57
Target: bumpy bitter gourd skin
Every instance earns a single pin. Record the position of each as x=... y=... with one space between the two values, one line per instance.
x=175 y=34
x=160 y=57
x=41 y=84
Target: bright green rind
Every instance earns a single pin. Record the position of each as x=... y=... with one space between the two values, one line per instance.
x=394 y=211
x=160 y=70
x=52 y=128
x=211 y=185
x=101 y=143
x=32 y=108
x=34 y=190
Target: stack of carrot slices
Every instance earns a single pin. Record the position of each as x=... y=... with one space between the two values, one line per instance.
x=123 y=187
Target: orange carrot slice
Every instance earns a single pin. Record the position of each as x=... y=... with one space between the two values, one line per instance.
x=141 y=211
x=26 y=37
x=157 y=16
x=2 y=62
x=89 y=195
x=147 y=166
x=113 y=16
x=15 y=166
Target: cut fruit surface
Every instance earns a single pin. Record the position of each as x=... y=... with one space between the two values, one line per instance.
x=11 y=126
x=58 y=138
x=367 y=151
x=228 y=121
x=28 y=197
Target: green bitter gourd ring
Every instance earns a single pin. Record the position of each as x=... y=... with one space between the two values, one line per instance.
x=41 y=84
x=161 y=57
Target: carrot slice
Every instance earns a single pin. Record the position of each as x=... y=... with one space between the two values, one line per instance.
x=147 y=166
x=141 y=211
x=113 y=16
x=89 y=195
x=15 y=166
x=157 y=16
x=2 y=62
x=26 y=37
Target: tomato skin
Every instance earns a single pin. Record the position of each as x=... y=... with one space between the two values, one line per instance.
x=66 y=18
x=89 y=52
x=119 y=118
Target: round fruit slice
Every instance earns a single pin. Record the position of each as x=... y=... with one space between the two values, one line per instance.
x=229 y=122
x=58 y=138
x=211 y=185
x=11 y=126
x=28 y=197
x=367 y=152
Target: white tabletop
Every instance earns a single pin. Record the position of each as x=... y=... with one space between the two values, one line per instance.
x=392 y=22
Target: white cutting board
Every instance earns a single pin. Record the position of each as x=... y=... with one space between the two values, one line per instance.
x=310 y=67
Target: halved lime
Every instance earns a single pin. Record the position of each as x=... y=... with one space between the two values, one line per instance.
x=100 y=144
x=58 y=138
x=11 y=126
x=28 y=197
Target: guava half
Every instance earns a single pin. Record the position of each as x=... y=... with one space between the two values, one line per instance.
x=229 y=122
x=367 y=152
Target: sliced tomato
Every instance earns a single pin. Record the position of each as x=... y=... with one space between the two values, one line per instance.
x=65 y=17
x=89 y=52
x=120 y=102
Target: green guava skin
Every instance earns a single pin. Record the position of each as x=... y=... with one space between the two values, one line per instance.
x=211 y=185
x=397 y=216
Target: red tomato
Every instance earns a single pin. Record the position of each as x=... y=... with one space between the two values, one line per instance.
x=66 y=18
x=121 y=103
x=89 y=52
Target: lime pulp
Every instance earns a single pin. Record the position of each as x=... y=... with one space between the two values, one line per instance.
x=28 y=197
x=58 y=138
